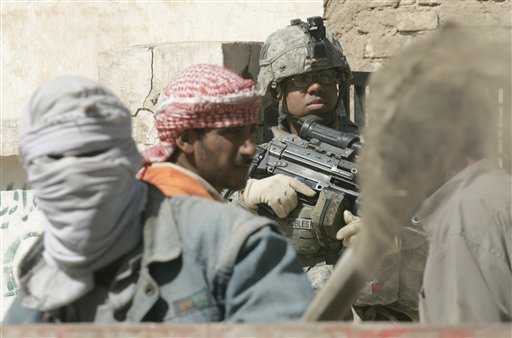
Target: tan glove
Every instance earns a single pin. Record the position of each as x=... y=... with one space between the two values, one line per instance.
x=350 y=230
x=279 y=192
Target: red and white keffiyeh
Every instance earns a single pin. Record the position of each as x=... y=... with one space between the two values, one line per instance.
x=202 y=96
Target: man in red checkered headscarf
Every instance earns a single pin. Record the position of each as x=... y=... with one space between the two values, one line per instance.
x=205 y=121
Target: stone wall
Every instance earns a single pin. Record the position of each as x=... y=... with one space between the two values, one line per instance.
x=371 y=31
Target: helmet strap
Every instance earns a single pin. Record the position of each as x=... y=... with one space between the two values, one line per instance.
x=283 y=113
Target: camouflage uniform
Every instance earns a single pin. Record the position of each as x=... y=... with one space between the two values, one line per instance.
x=392 y=292
x=290 y=51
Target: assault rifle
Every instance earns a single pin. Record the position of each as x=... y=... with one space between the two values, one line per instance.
x=324 y=159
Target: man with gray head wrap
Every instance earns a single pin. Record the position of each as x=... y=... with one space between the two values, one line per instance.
x=438 y=116
x=81 y=162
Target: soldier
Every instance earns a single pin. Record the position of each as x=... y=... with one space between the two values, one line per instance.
x=302 y=72
x=116 y=249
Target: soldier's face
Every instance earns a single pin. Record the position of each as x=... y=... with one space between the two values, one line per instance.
x=311 y=93
x=223 y=156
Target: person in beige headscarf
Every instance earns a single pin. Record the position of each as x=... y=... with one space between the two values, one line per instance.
x=439 y=116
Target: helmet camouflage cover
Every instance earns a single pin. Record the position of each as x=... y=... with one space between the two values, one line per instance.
x=299 y=48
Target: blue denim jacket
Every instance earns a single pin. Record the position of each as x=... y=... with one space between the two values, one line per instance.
x=200 y=261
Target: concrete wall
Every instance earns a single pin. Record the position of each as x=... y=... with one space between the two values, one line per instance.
x=157 y=64
x=371 y=31
x=290 y=329
x=41 y=40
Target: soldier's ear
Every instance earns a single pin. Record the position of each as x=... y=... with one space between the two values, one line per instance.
x=185 y=142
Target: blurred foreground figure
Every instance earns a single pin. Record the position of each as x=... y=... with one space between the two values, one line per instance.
x=439 y=116
x=116 y=249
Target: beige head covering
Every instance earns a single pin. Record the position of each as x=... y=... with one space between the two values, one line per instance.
x=81 y=162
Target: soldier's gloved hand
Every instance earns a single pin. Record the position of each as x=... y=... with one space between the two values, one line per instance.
x=350 y=230
x=279 y=192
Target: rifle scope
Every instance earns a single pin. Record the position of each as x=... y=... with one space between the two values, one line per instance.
x=310 y=129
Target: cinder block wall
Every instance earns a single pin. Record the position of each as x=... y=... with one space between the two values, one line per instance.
x=371 y=31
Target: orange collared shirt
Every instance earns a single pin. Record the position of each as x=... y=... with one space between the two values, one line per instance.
x=172 y=181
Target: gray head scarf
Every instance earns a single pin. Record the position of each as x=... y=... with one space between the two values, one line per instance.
x=81 y=162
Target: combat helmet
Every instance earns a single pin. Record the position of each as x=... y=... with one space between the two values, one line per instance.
x=299 y=48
